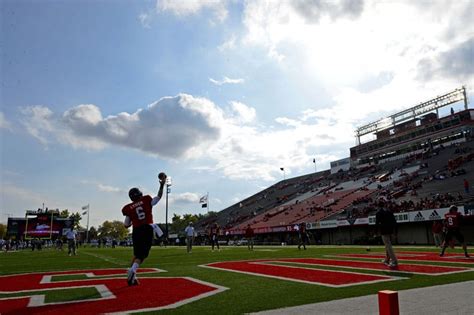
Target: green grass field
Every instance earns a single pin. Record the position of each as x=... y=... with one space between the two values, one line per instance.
x=246 y=293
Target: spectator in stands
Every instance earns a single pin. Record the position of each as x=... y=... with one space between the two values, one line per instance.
x=466 y=186
x=437 y=229
x=386 y=223
x=189 y=237
x=249 y=234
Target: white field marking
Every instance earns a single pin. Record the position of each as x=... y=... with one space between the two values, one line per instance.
x=458 y=257
x=105 y=294
x=89 y=275
x=73 y=272
x=39 y=299
x=110 y=260
x=218 y=288
x=464 y=269
x=266 y=250
x=388 y=278
x=410 y=258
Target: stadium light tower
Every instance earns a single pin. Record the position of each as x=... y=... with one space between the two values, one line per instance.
x=168 y=190
x=284 y=173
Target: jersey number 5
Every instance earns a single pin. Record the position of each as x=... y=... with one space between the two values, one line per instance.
x=140 y=213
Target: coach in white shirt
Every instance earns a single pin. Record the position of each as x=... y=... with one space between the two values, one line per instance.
x=189 y=236
x=71 y=241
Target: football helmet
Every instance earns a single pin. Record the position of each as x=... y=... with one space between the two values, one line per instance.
x=135 y=194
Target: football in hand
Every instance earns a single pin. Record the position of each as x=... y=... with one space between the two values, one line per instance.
x=162 y=176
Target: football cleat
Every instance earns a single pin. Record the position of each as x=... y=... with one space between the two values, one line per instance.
x=135 y=281
x=131 y=277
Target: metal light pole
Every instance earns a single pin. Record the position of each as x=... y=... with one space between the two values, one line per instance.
x=168 y=190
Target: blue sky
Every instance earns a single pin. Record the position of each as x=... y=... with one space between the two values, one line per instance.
x=98 y=97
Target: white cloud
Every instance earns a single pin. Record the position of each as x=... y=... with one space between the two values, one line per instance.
x=228 y=44
x=4 y=123
x=145 y=19
x=244 y=114
x=226 y=80
x=107 y=188
x=184 y=127
x=193 y=7
x=173 y=127
x=11 y=191
x=103 y=187
x=185 y=198
x=38 y=120
x=343 y=43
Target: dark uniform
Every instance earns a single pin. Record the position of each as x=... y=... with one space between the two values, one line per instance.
x=302 y=236
x=213 y=236
x=140 y=213
x=452 y=221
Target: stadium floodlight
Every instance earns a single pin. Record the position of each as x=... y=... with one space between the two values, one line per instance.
x=168 y=190
x=412 y=112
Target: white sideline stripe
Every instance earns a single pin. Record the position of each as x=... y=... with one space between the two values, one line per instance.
x=388 y=278
x=110 y=260
x=89 y=275
x=105 y=294
x=218 y=288
x=75 y=272
x=461 y=269
x=411 y=258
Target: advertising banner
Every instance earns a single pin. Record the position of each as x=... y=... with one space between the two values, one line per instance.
x=40 y=226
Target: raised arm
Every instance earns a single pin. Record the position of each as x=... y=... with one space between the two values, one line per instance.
x=162 y=177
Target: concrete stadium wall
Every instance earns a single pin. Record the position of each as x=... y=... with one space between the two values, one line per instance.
x=408 y=233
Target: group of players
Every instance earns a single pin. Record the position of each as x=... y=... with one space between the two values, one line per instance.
x=139 y=214
x=386 y=224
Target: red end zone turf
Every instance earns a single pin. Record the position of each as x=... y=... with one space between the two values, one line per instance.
x=114 y=295
x=299 y=274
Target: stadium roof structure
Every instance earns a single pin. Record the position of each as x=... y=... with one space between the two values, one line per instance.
x=413 y=112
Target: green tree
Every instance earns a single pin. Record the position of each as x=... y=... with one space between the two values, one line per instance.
x=92 y=233
x=76 y=217
x=3 y=230
x=64 y=213
x=113 y=229
x=179 y=223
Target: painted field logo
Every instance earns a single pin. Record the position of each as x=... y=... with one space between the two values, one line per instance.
x=40 y=293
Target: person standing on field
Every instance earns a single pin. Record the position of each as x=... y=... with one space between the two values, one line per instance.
x=249 y=234
x=139 y=214
x=437 y=229
x=386 y=223
x=452 y=221
x=213 y=236
x=71 y=241
x=189 y=237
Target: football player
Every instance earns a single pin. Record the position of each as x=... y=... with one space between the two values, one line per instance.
x=452 y=220
x=139 y=214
